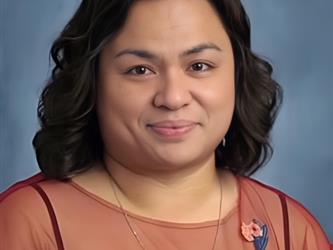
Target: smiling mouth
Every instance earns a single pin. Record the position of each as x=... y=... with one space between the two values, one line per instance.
x=172 y=129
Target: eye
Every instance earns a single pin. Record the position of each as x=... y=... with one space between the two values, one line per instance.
x=200 y=66
x=139 y=70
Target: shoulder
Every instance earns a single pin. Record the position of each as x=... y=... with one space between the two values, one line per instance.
x=21 y=194
x=23 y=206
x=23 y=215
x=270 y=194
x=22 y=184
x=259 y=187
x=22 y=203
x=31 y=193
x=267 y=191
x=20 y=198
x=305 y=230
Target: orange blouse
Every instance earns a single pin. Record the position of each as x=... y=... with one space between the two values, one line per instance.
x=41 y=214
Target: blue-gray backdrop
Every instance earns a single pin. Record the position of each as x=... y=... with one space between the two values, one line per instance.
x=296 y=36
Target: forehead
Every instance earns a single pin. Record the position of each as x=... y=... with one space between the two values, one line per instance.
x=170 y=23
x=172 y=11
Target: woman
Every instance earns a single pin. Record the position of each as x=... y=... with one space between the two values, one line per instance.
x=155 y=113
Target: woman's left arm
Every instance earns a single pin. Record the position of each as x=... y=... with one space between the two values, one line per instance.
x=305 y=230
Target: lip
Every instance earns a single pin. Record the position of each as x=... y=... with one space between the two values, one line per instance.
x=172 y=129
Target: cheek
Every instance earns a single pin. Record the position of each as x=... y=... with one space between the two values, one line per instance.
x=112 y=104
x=221 y=94
x=219 y=98
x=116 y=109
x=221 y=108
x=219 y=105
x=119 y=103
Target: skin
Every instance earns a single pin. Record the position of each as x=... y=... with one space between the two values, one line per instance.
x=178 y=67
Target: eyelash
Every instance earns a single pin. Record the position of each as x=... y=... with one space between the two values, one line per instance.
x=130 y=71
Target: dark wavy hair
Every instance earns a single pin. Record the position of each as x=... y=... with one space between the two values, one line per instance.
x=69 y=140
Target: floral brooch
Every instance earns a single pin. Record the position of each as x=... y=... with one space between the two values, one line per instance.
x=256 y=232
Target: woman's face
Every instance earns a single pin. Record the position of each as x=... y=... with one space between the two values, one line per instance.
x=166 y=86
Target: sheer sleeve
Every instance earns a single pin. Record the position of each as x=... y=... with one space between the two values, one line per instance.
x=305 y=231
x=291 y=225
x=24 y=222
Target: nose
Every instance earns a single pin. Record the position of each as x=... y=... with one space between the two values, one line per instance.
x=174 y=92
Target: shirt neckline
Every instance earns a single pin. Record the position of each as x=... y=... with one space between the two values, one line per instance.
x=160 y=222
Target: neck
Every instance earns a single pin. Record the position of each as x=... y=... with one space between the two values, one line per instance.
x=182 y=190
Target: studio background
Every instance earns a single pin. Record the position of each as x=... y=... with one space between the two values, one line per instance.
x=295 y=36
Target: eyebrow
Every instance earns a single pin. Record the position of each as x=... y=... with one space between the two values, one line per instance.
x=149 y=55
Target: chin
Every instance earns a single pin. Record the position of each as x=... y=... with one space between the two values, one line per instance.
x=181 y=159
